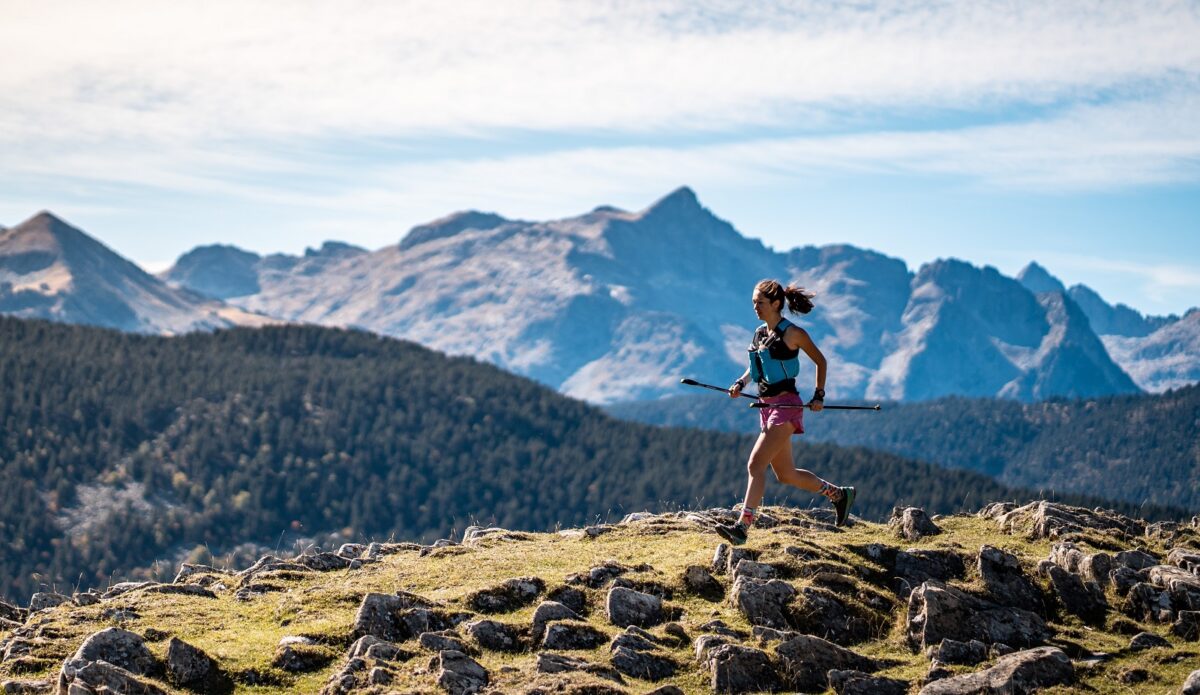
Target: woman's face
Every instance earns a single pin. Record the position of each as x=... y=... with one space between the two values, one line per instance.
x=763 y=307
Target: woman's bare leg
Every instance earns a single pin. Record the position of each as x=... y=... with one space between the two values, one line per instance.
x=766 y=449
x=787 y=473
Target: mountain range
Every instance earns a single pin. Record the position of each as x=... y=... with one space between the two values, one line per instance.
x=615 y=306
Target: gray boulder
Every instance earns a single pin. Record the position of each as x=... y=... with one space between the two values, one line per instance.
x=509 y=596
x=1086 y=601
x=371 y=647
x=120 y=648
x=912 y=523
x=954 y=652
x=805 y=662
x=82 y=676
x=1191 y=685
x=300 y=655
x=1146 y=601
x=763 y=602
x=737 y=669
x=822 y=612
x=1147 y=640
x=629 y=607
x=379 y=615
x=859 y=683
x=15 y=687
x=1135 y=559
x=495 y=635
x=561 y=663
x=570 y=597
x=1123 y=579
x=1019 y=672
x=699 y=581
x=751 y=568
x=189 y=667
x=458 y=674
x=720 y=560
x=642 y=664
x=11 y=612
x=548 y=611
x=1187 y=625
x=568 y=634
x=46 y=599
x=442 y=641
x=937 y=611
x=1006 y=583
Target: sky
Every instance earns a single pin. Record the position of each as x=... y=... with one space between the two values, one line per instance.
x=995 y=132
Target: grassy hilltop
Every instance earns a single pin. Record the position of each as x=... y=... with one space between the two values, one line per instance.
x=849 y=582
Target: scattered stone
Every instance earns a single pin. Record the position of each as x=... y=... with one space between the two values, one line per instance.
x=1083 y=600
x=1000 y=649
x=642 y=664
x=1096 y=568
x=458 y=674
x=736 y=555
x=351 y=551
x=1148 y=602
x=757 y=570
x=46 y=599
x=508 y=597
x=495 y=635
x=189 y=667
x=720 y=561
x=626 y=607
x=570 y=597
x=379 y=676
x=721 y=628
x=371 y=647
x=442 y=641
x=1135 y=559
x=1020 y=672
x=859 y=683
x=1147 y=640
x=561 y=663
x=907 y=569
x=123 y=588
x=11 y=612
x=566 y=634
x=83 y=676
x=806 y=661
x=26 y=687
x=548 y=611
x=1187 y=625
x=179 y=590
x=1052 y=520
x=821 y=612
x=737 y=669
x=323 y=562
x=1191 y=686
x=380 y=615
x=763 y=602
x=676 y=632
x=1133 y=675
x=1123 y=579
x=120 y=648
x=87 y=598
x=1185 y=558
x=300 y=655
x=937 y=611
x=1005 y=582
x=601 y=575
x=699 y=581
x=937 y=671
x=954 y=652
x=912 y=523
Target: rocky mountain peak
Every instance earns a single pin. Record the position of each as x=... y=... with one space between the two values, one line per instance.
x=450 y=225
x=680 y=203
x=1037 y=279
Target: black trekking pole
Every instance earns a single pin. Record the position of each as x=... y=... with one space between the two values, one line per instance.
x=828 y=407
x=693 y=382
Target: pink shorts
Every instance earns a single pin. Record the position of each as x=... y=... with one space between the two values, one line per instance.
x=771 y=417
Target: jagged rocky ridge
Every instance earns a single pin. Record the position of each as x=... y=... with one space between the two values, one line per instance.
x=1011 y=599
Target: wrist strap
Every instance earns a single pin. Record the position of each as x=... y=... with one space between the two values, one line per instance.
x=818 y=395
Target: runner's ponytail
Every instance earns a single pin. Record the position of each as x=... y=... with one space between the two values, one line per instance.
x=799 y=300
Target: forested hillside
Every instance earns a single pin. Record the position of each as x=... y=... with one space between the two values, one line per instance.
x=1138 y=449
x=117 y=450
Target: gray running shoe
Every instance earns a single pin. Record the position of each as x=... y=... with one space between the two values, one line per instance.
x=734 y=533
x=842 y=506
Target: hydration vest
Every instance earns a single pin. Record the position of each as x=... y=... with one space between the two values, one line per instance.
x=771 y=360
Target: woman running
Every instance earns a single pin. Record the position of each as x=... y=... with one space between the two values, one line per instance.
x=774 y=365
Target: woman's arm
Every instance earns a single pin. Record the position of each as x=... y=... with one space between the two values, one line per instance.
x=798 y=339
x=736 y=389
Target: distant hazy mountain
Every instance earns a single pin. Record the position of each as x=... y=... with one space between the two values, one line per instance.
x=224 y=272
x=1159 y=352
x=51 y=270
x=615 y=305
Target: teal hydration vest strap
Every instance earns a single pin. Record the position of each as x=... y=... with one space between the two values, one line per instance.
x=765 y=367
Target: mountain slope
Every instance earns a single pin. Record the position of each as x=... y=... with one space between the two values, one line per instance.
x=271 y=435
x=49 y=269
x=615 y=305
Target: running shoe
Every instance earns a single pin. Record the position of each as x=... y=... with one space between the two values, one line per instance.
x=734 y=533
x=842 y=506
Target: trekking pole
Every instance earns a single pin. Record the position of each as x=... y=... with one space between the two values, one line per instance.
x=693 y=382
x=828 y=407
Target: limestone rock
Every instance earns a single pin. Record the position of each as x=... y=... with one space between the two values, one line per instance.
x=1187 y=625
x=1135 y=559
x=1147 y=640
x=189 y=667
x=720 y=560
x=567 y=634
x=1006 y=583
x=912 y=523
x=628 y=607
x=570 y=597
x=324 y=562
x=1086 y=601
x=120 y=648
x=548 y=611
x=1123 y=579
x=806 y=661
x=751 y=568
x=15 y=687
x=1191 y=685
x=763 y=602
x=1148 y=602
x=509 y=596
x=699 y=581
x=954 y=652
x=46 y=599
x=821 y=612
x=495 y=635
x=1052 y=520
x=1019 y=672
x=83 y=676
x=561 y=663
x=642 y=664
x=458 y=674
x=859 y=683
x=442 y=641
x=379 y=615
x=11 y=612
x=737 y=669
x=937 y=611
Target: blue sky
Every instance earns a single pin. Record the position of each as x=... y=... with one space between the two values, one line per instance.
x=996 y=132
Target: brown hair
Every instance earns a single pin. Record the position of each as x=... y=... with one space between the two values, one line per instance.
x=798 y=299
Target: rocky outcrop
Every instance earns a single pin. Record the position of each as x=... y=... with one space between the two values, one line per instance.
x=1006 y=583
x=805 y=662
x=627 y=607
x=1020 y=672
x=937 y=612
x=190 y=668
x=912 y=523
x=764 y=602
x=507 y=597
x=1053 y=520
x=737 y=669
x=458 y=674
